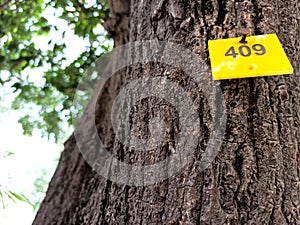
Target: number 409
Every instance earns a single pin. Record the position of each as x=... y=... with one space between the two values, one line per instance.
x=245 y=50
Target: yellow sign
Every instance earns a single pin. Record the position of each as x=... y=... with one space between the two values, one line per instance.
x=262 y=55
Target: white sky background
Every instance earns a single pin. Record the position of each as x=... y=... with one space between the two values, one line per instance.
x=31 y=154
x=19 y=171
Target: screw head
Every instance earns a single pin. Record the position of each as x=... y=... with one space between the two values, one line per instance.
x=246 y=31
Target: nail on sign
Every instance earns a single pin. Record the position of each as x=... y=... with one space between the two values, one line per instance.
x=262 y=55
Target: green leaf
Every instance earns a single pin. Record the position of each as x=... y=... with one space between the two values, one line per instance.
x=2 y=200
x=19 y=52
x=7 y=154
x=21 y=197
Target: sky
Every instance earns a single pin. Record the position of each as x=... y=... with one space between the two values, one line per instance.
x=32 y=154
x=19 y=171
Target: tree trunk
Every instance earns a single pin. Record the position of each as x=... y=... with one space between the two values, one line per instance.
x=255 y=177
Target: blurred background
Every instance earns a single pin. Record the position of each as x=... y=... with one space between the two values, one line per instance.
x=45 y=48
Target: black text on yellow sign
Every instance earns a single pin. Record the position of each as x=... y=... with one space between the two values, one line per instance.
x=263 y=55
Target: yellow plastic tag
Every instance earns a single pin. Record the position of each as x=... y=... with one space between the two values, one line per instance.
x=262 y=55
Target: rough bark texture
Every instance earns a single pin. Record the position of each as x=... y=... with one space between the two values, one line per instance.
x=255 y=177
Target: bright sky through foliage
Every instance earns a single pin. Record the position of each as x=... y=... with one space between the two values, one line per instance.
x=19 y=171
x=32 y=155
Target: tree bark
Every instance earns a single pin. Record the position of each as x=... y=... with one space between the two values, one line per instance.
x=255 y=176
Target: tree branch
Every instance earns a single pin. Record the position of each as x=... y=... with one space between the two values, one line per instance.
x=2 y=6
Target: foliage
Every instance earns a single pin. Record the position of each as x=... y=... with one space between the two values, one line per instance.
x=39 y=191
x=7 y=195
x=23 y=61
